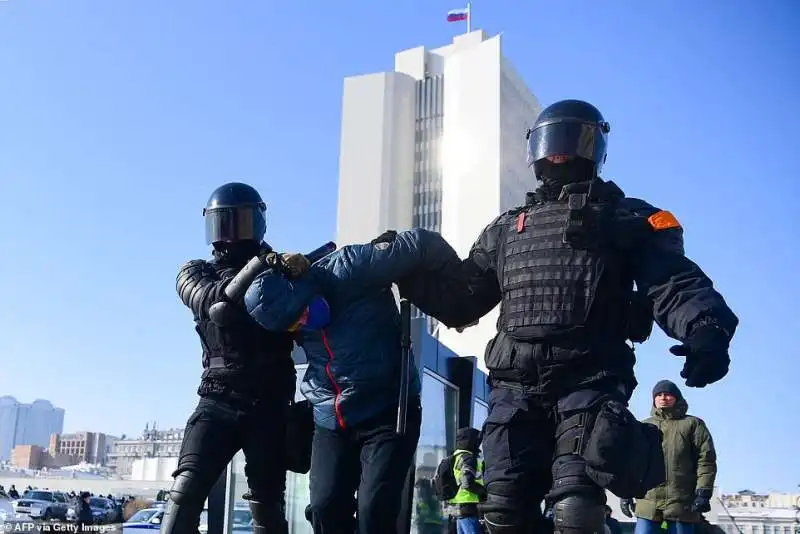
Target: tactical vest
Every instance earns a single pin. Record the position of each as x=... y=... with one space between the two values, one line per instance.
x=235 y=357
x=464 y=496
x=552 y=257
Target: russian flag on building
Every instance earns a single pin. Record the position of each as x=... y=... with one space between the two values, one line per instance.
x=457 y=15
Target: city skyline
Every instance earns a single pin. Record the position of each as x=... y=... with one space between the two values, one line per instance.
x=27 y=424
x=65 y=429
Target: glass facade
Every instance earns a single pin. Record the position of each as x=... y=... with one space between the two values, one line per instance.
x=429 y=125
x=297 y=486
x=437 y=440
x=480 y=411
x=427 y=154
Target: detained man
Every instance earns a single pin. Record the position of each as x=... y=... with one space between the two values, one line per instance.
x=345 y=317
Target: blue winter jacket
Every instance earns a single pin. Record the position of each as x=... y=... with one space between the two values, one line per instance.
x=354 y=362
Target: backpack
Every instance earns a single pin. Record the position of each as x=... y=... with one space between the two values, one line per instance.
x=444 y=481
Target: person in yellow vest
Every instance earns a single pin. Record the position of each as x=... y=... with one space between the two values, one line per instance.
x=468 y=472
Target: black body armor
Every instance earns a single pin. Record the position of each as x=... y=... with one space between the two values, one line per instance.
x=555 y=257
x=241 y=359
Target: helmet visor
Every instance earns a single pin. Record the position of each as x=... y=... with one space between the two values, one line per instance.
x=228 y=225
x=567 y=138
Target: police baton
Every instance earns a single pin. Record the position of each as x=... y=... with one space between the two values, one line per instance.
x=405 y=364
x=236 y=289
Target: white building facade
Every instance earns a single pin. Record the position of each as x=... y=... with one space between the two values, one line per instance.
x=153 y=443
x=439 y=143
x=27 y=424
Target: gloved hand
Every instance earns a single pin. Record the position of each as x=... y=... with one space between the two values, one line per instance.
x=627 y=506
x=386 y=237
x=295 y=264
x=702 y=501
x=706 y=353
x=271 y=258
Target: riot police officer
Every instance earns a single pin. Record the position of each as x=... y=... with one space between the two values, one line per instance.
x=563 y=269
x=248 y=379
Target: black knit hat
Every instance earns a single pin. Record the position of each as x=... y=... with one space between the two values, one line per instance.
x=667 y=386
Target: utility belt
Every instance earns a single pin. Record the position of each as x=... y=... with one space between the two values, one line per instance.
x=242 y=386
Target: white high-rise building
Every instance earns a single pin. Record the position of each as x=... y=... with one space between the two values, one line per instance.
x=27 y=424
x=438 y=143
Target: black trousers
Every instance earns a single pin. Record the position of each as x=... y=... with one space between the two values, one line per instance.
x=214 y=433
x=369 y=458
x=520 y=453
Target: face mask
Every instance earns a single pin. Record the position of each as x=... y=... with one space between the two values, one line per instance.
x=316 y=316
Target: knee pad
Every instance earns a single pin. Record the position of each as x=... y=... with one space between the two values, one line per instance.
x=505 y=516
x=575 y=498
x=185 y=505
x=570 y=478
x=184 y=488
x=494 y=525
x=579 y=514
x=268 y=518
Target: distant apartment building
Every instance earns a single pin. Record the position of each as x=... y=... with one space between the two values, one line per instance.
x=28 y=456
x=27 y=424
x=89 y=447
x=759 y=521
x=748 y=512
x=751 y=499
x=745 y=499
x=153 y=443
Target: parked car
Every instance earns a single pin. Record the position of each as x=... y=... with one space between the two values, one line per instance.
x=242 y=519
x=42 y=504
x=103 y=510
x=150 y=519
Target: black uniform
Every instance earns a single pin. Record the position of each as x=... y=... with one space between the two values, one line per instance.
x=563 y=269
x=85 y=516
x=248 y=380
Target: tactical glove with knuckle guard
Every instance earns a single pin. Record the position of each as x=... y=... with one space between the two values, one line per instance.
x=706 y=352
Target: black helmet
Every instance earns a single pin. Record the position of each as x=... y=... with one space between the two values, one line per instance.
x=569 y=128
x=235 y=212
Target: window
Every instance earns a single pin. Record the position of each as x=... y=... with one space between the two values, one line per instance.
x=297 y=486
x=437 y=440
x=480 y=411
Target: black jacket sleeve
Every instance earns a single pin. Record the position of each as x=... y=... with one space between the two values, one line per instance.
x=199 y=286
x=681 y=293
x=466 y=290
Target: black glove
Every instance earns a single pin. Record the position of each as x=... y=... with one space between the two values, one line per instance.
x=386 y=237
x=271 y=258
x=294 y=264
x=702 y=501
x=627 y=506
x=706 y=353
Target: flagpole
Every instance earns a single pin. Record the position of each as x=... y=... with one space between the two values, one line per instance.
x=469 y=17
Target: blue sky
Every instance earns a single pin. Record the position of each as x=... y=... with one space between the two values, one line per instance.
x=118 y=118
